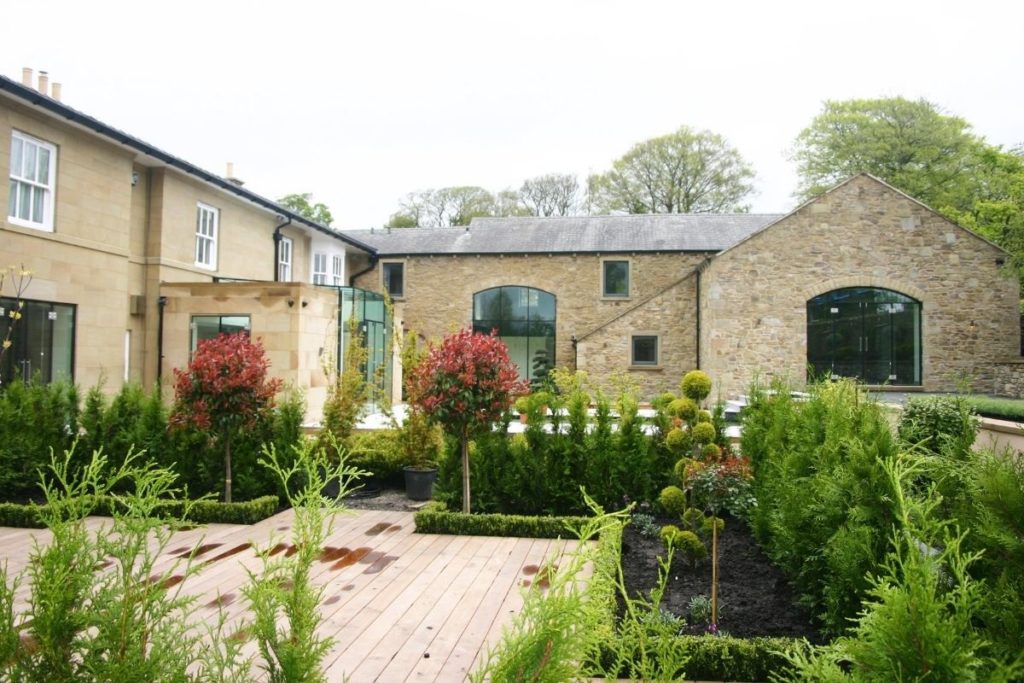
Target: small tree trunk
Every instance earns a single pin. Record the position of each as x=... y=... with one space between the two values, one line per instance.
x=464 y=444
x=227 y=470
x=714 y=571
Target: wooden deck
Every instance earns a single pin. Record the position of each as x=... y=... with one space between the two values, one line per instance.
x=399 y=606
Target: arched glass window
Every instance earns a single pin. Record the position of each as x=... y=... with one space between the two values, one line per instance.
x=871 y=334
x=525 y=320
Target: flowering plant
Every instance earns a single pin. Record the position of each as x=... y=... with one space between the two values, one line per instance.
x=466 y=384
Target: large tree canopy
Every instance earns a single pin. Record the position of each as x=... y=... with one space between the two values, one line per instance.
x=553 y=194
x=303 y=205
x=687 y=171
x=932 y=156
x=909 y=144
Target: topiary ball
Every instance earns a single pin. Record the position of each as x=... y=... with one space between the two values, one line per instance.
x=679 y=469
x=703 y=433
x=662 y=401
x=672 y=500
x=710 y=523
x=704 y=416
x=668 y=535
x=677 y=439
x=696 y=385
x=692 y=548
x=710 y=451
x=684 y=408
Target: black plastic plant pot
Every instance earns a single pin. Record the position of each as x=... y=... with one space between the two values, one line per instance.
x=419 y=483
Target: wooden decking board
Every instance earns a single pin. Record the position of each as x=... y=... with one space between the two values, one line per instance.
x=406 y=640
x=442 y=596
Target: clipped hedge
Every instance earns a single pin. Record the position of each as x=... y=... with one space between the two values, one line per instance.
x=436 y=519
x=724 y=658
x=201 y=512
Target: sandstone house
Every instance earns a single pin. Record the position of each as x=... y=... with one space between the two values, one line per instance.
x=138 y=254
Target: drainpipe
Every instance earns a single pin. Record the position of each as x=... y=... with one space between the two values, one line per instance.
x=699 y=271
x=277 y=246
x=364 y=271
x=575 y=352
x=161 y=303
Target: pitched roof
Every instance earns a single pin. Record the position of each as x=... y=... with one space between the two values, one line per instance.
x=154 y=156
x=574 y=234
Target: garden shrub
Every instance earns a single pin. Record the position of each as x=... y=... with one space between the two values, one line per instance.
x=436 y=519
x=36 y=419
x=723 y=658
x=197 y=512
x=696 y=385
x=824 y=502
x=672 y=500
x=703 y=433
x=378 y=453
x=683 y=408
x=938 y=422
x=684 y=541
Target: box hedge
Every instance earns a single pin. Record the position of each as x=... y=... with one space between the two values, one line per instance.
x=436 y=519
x=201 y=512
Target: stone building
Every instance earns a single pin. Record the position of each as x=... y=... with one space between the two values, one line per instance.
x=136 y=255
x=863 y=281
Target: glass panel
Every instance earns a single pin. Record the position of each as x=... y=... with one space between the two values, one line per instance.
x=871 y=334
x=487 y=305
x=24 y=200
x=16 y=154
x=43 y=175
x=545 y=309
x=12 y=199
x=645 y=350
x=63 y=353
x=515 y=303
x=37 y=204
x=29 y=170
x=616 y=278
x=230 y=324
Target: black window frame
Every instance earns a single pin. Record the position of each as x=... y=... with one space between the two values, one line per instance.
x=386 y=278
x=605 y=293
x=7 y=304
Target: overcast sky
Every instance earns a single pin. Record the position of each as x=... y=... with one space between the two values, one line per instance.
x=363 y=102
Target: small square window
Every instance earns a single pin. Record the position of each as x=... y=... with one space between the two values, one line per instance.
x=394 y=279
x=615 y=279
x=645 y=350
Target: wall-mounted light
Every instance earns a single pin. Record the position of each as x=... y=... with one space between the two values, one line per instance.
x=135 y=178
x=304 y=303
x=291 y=302
x=1000 y=261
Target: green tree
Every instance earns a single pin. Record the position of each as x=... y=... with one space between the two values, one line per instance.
x=444 y=207
x=932 y=156
x=912 y=145
x=686 y=171
x=553 y=194
x=303 y=205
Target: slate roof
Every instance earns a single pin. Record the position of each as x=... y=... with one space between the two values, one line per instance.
x=575 y=234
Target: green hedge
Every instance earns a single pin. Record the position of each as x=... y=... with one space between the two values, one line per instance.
x=724 y=658
x=1000 y=408
x=435 y=519
x=201 y=512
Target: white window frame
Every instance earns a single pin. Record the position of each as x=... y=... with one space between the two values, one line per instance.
x=20 y=182
x=319 y=268
x=285 y=249
x=336 y=269
x=207 y=229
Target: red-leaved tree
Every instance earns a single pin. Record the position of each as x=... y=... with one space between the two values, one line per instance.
x=465 y=384
x=225 y=390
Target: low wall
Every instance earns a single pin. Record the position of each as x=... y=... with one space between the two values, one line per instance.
x=1000 y=435
x=1009 y=379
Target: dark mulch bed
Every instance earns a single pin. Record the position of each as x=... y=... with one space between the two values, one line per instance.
x=755 y=598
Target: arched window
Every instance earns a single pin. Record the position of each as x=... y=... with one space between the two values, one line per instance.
x=871 y=334
x=525 y=320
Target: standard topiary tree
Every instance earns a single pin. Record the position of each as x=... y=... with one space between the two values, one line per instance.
x=226 y=390
x=696 y=385
x=465 y=384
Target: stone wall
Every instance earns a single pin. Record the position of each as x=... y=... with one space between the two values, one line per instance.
x=295 y=322
x=863 y=233
x=440 y=299
x=1009 y=379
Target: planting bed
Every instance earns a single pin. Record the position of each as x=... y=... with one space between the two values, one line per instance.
x=755 y=597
